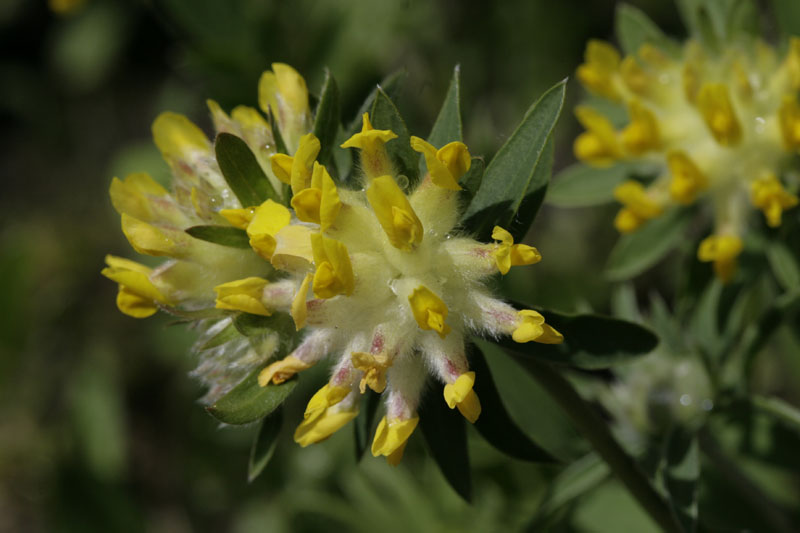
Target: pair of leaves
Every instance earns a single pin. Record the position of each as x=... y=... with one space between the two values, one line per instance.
x=515 y=181
x=591 y=342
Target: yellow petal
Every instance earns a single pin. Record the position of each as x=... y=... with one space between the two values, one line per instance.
x=374 y=158
x=642 y=133
x=135 y=277
x=530 y=326
x=717 y=111
x=292 y=249
x=723 y=251
x=134 y=304
x=303 y=161
x=457 y=159
x=292 y=87
x=394 y=213
x=280 y=371
x=687 y=179
x=446 y=166
x=243 y=295
x=282 y=167
x=330 y=204
x=392 y=434
x=299 y=309
x=239 y=218
x=320 y=421
x=146 y=239
x=306 y=204
x=374 y=370
x=334 y=273
x=176 y=136
x=135 y=194
x=522 y=254
x=268 y=219
x=461 y=395
x=429 y=311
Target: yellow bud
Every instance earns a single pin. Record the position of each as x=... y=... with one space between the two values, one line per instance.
x=461 y=395
x=395 y=214
x=687 y=180
x=391 y=437
x=374 y=368
x=601 y=64
x=243 y=295
x=279 y=371
x=723 y=251
x=299 y=309
x=769 y=195
x=717 y=111
x=334 y=273
x=429 y=311
x=641 y=135
x=789 y=117
x=374 y=158
x=446 y=165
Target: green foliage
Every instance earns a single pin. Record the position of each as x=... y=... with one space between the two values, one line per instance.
x=223 y=235
x=634 y=28
x=264 y=443
x=580 y=185
x=495 y=423
x=518 y=175
x=249 y=402
x=327 y=120
x=447 y=127
x=638 y=251
x=446 y=434
x=385 y=116
x=681 y=473
x=590 y=341
x=242 y=171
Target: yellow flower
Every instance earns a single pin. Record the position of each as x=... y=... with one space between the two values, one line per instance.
x=722 y=250
x=378 y=279
x=137 y=296
x=712 y=123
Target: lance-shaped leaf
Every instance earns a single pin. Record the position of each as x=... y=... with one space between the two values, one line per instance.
x=681 y=471
x=784 y=265
x=447 y=127
x=327 y=119
x=514 y=176
x=590 y=341
x=495 y=423
x=634 y=28
x=223 y=235
x=364 y=422
x=385 y=116
x=786 y=414
x=445 y=432
x=248 y=402
x=638 y=251
x=264 y=443
x=581 y=185
x=471 y=181
x=242 y=172
x=390 y=85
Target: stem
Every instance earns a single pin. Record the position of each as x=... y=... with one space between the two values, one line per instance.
x=595 y=430
x=770 y=513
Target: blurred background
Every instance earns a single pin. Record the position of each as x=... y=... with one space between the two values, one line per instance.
x=99 y=425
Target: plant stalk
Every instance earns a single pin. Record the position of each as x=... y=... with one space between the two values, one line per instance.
x=595 y=430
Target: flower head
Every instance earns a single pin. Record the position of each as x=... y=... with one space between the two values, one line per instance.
x=718 y=126
x=377 y=277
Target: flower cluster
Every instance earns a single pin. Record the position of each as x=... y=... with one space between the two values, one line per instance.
x=719 y=126
x=376 y=277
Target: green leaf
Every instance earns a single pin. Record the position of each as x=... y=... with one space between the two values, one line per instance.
x=638 y=251
x=495 y=424
x=248 y=402
x=446 y=435
x=253 y=325
x=196 y=314
x=385 y=116
x=590 y=341
x=264 y=443
x=471 y=181
x=242 y=171
x=362 y=426
x=743 y=19
x=574 y=481
x=447 y=127
x=784 y=265
x=787 y=14
x=280 y=144
x=227 y=334
x=529 y=207
x=681 y=472
x=634 y=28
x=786 y=414
x=390 y=85
x=512 y=176
x=327 y=119
x=223 y=235
x=581 y=185
x=705 y=319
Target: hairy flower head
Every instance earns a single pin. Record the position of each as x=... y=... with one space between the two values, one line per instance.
x=377 y=277
x=719 y=126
